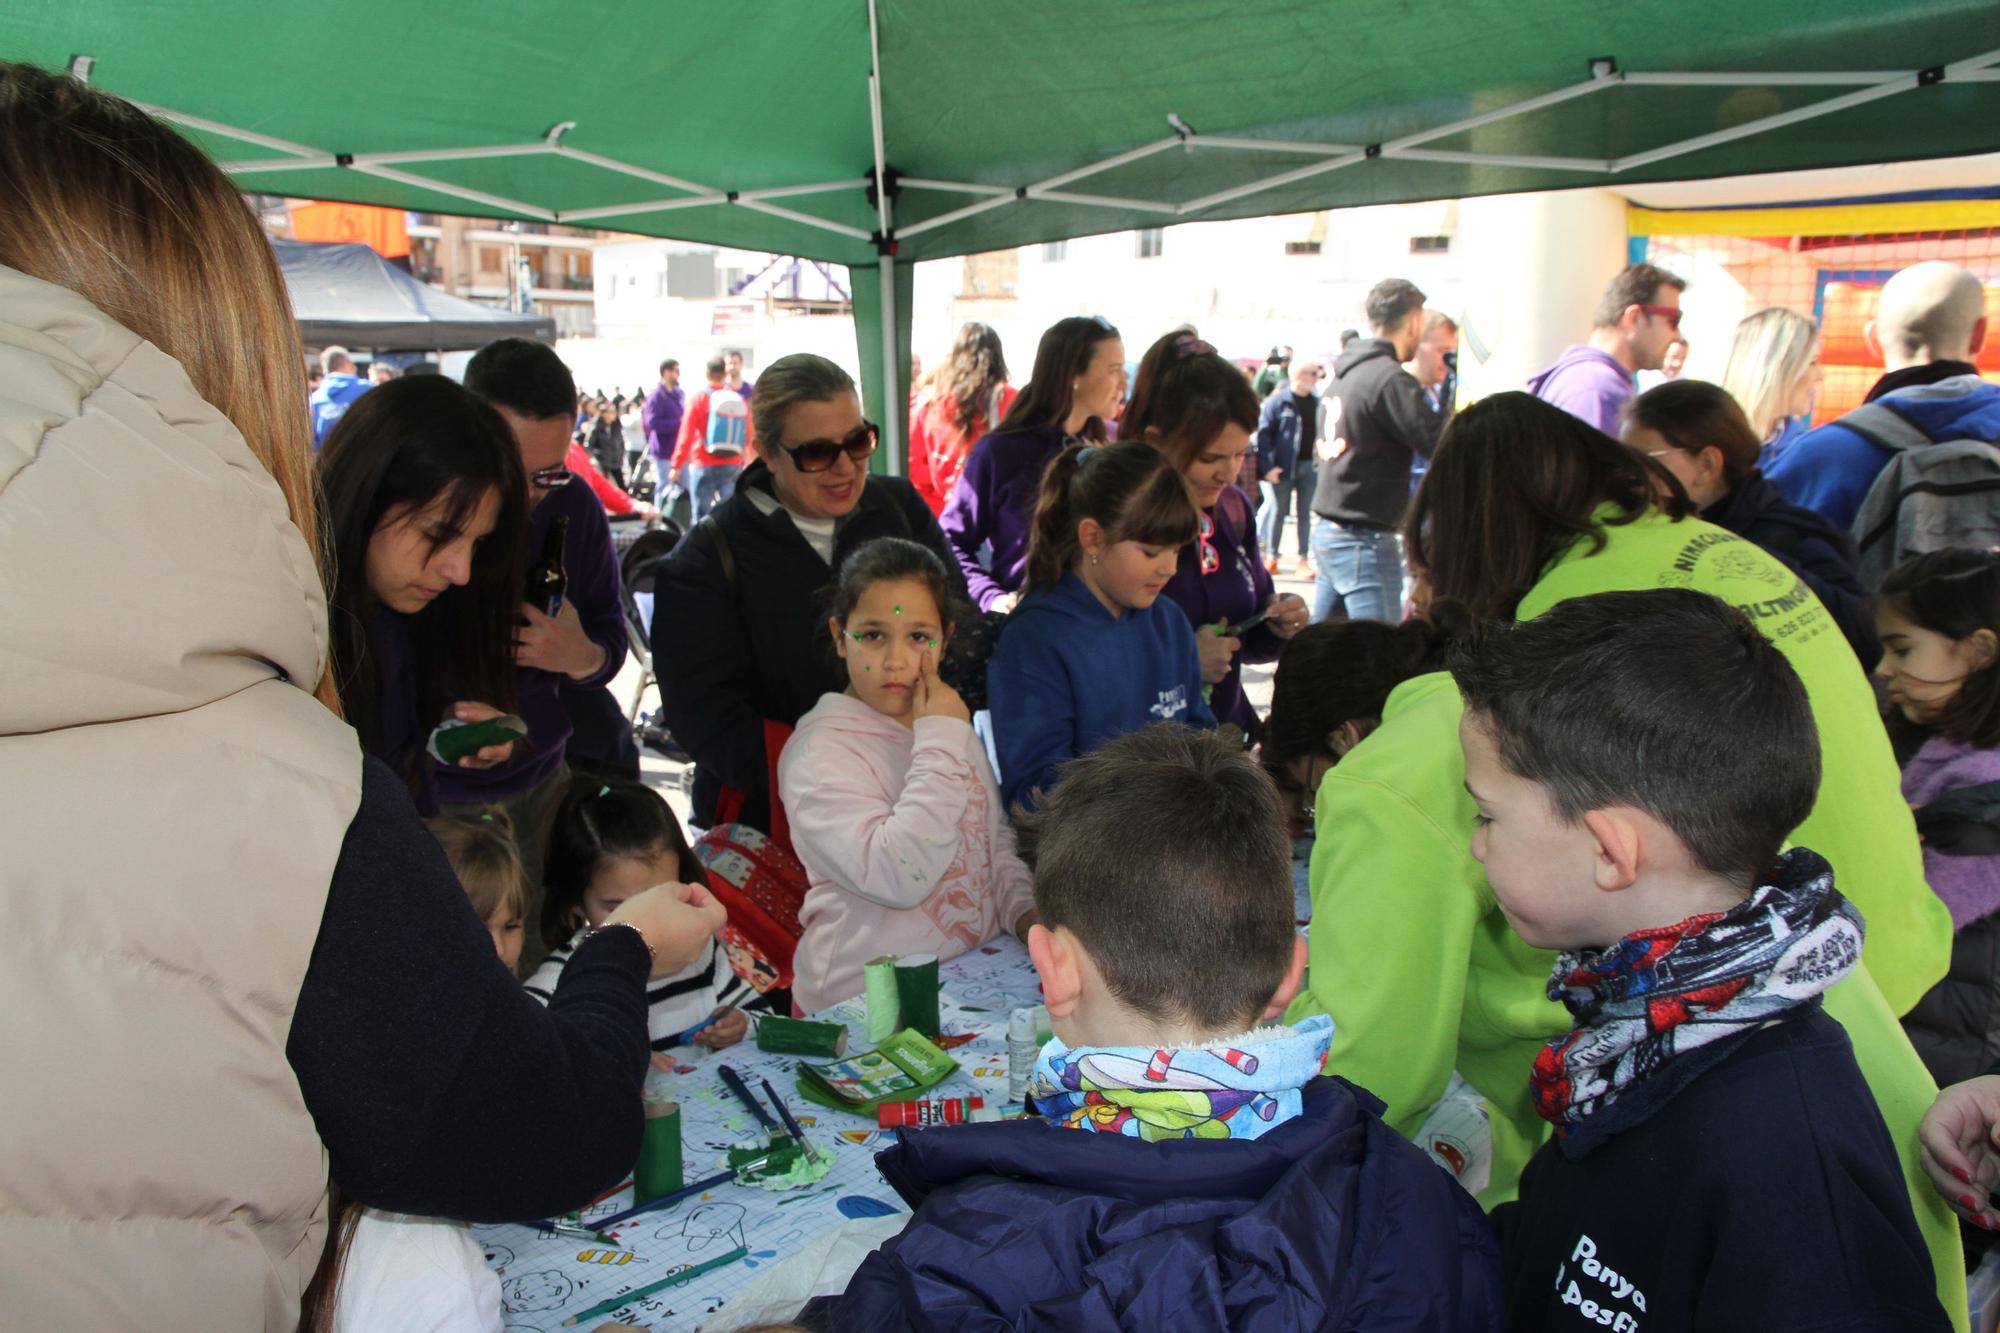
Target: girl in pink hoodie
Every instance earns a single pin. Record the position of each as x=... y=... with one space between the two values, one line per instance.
x=894 y=809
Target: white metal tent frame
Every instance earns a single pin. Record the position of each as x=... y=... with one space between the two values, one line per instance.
x=1604 y=75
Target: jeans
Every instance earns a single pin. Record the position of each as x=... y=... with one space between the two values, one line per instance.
x=1271 y=511
x=711 y=485
x=1305 y=480
x=1360 y=571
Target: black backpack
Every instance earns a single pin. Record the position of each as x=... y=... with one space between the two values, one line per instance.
x=1934 y=494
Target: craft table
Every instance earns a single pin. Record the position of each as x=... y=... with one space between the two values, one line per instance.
x=545 y=1277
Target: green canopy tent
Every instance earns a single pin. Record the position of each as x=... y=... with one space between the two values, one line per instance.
x=767 y=124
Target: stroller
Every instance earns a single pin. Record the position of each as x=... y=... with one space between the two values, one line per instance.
x=636 y=570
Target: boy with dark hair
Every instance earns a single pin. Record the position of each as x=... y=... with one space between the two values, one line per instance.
x=1638 y=759
x=1188 y=1167
x=565 y=660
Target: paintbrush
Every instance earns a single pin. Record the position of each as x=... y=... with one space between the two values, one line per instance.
x=792 y=1126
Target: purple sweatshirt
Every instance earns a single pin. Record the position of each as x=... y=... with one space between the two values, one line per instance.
x=995 y=503
x=591 y=565
x=1969 y=885
x=1588 y=384
x=1239 y=588
x=664 y=409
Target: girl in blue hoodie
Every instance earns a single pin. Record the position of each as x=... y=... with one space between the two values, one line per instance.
x=1093 y=651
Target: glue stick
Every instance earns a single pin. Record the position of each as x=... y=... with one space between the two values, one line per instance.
x=907 y=1115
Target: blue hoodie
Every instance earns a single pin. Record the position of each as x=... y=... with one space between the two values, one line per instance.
x=1829 y=470
x=1332 y=1220
x=1068 y=676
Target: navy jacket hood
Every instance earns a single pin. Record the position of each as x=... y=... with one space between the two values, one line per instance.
x=1331 y=1221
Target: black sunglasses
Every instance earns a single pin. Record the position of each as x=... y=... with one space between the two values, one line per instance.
x=819 y=455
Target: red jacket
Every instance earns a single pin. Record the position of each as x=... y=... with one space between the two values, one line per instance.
x=694 y=434
x=938 y=448
x=614 y=500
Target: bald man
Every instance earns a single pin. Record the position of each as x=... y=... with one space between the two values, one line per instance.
x=1930 y=324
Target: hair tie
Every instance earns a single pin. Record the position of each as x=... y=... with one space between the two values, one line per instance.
x=1085 y=454
x=1189 y=344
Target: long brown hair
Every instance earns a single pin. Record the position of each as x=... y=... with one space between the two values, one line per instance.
x=1188 y=393
x=1513 y=484
x=972 y=370
x=1065 y=352
x=100 y=198
x=1130 y=488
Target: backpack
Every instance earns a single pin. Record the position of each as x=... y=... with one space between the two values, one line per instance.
x=728 y=423
x=1933 y=494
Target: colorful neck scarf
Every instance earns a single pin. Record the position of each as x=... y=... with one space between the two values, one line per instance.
x=1240 y=1089
x=1659 y=1006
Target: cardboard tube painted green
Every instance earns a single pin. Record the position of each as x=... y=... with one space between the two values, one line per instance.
x=659 y=1168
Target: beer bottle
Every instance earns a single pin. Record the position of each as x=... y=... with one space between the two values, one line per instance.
x=546 y=580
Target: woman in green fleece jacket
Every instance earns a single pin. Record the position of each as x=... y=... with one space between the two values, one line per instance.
x=1524 y=507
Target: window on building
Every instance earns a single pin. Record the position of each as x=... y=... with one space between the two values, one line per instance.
x=1151 y=239
x=1429 y=245
x=1054 y=252
x=1301 y=247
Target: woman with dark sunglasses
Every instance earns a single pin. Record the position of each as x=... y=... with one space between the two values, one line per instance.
x=426 y=506
x=737 y=616
x=1075 y=389
x=1198 y=410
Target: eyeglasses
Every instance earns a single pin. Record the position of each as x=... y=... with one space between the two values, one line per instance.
x=550 y=478
x=1211 y=559
x=1670 y=313
x=819 y=455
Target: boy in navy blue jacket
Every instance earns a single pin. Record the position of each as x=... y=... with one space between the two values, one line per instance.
x=1638 y=759
x=1188 y=1167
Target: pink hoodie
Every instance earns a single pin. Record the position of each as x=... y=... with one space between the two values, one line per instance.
x=904 y=837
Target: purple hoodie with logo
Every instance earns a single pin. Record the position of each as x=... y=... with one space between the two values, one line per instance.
x=1588 y=384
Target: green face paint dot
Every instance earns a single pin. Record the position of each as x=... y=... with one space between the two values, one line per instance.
x=931 y=642
x=899 y=610
x=869 y=670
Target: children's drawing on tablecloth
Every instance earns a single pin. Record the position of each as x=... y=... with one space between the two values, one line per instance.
x=860 y=1205
x=861 y=1138
x=498 y=1257
x=549 y=1289
x=614 y=1258
x=713 y=1227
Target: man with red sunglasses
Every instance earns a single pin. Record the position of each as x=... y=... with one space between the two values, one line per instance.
x=1637 y=319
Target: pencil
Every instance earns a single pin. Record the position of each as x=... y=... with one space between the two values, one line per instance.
x=639 y=1293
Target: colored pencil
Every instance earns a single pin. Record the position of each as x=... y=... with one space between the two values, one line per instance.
x=640 y=1293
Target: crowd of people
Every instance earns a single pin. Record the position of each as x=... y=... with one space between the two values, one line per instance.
x=1610 y=836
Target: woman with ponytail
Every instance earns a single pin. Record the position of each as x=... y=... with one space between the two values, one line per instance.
x=1198 y=410
x=1074 y=388
x=1094 y=651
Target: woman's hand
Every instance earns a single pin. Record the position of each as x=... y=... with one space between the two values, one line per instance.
x=678 y=920
x=486 y=756
x=557 y=644
x=1005 y=603
x=1960 y=1152
x=1217 y=652
x=724 y=1031
x=934 y=698
x=1289 y=614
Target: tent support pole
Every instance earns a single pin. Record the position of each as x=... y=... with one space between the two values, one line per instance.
x=890 y=409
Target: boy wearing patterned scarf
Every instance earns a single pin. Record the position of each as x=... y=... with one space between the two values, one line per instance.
x=1188 y=1168
x=1638 y=759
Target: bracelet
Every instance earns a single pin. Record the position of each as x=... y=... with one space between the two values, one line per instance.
x=652 y=954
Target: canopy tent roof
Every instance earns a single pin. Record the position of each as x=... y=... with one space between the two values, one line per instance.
x=351 y=296
x=760 y=124
x=1297 y=105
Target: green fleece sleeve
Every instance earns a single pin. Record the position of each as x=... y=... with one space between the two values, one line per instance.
x=1394 y=908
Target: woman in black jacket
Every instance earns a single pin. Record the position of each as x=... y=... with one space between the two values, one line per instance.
x=737 y=620
x=1697 y=431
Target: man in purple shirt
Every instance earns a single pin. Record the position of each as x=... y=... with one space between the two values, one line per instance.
x=1637 y=319
x=665 y=406
x=583 y=644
